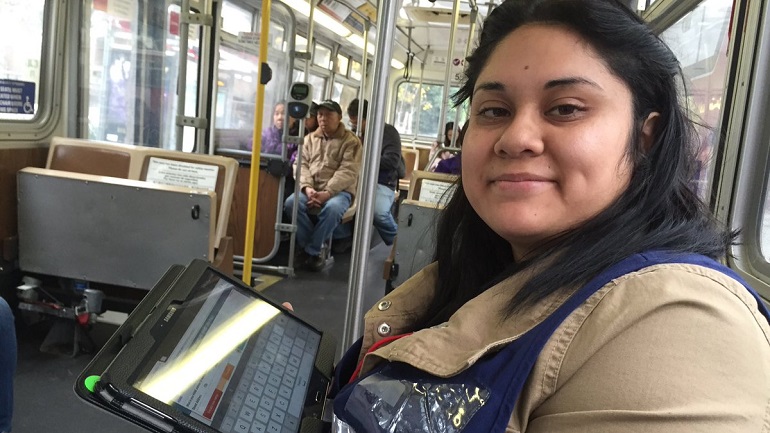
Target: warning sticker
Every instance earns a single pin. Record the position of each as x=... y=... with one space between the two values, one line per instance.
x=180 y=173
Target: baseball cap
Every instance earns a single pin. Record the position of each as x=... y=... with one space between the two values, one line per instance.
x=313 y=109
x=331 y=105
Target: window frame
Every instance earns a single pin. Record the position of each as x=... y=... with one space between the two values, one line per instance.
x=49 y=89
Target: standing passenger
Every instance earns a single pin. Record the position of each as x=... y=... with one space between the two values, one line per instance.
x=387 y=178
x=331 y=160
x=577 y=287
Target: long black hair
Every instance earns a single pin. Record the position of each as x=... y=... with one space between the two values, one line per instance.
x=657 y=211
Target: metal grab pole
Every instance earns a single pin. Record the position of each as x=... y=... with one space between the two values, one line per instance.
x=181 y=88
x=298 y=160
x=256 y=149
x=419 y=99
x=448 y=73
x=468 y=47
x=362 y=89
x=386 y=17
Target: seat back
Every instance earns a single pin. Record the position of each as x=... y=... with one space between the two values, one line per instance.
x=411 y=160
x=90 y=157
x=110 y=230
x=215 y=173
x=431 y=189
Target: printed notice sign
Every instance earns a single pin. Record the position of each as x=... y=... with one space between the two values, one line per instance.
x=17 y=97
x=121 y=9
x=433 y=191
x=248 y=38
x=180 y=173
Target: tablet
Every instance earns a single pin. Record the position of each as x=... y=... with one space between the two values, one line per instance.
x=216 y=356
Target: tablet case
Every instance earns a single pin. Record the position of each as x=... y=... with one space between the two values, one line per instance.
x=125 y=332
x=111 y=349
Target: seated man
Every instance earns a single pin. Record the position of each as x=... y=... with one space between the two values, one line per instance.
x=391 y=167
x=331 y=161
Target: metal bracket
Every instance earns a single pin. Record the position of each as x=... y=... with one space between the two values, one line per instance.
x=302 y=55
x=286 y=227
x=195 y=122
x=200 y=19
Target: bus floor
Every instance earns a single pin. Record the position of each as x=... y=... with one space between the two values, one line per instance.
x=44 y=399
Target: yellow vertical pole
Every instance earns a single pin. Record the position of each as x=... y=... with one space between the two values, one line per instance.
x=256 y=139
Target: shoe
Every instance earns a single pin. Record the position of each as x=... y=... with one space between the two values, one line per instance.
x=300 y=259
x=340 y=246
x=315 y=263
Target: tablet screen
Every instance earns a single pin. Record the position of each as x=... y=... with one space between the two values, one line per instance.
x=231 y=360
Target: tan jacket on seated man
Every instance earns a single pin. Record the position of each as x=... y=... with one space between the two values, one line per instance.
x=331 y=162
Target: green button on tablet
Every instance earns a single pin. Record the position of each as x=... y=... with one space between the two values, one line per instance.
x=90 y=382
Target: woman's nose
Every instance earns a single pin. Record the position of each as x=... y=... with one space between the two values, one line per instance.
x=523 y=136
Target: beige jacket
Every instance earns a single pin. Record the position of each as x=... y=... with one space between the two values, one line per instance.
x=331 y=163
x=670 y=348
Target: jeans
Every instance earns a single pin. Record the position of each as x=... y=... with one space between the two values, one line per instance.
x=383 y=220
x=7 y=365
x=310 y=237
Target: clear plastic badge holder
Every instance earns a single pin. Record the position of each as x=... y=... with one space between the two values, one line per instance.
x=383 y=404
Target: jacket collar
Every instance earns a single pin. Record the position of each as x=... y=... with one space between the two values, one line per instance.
x=478 y=327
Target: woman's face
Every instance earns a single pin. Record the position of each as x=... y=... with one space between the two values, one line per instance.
x=278 y=116
x=546 y=144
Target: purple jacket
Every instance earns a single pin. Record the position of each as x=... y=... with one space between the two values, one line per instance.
x=451 y=165
x=271 y=143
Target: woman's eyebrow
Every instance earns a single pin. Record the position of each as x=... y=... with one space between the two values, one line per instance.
x=570 y=81
x=494 y=86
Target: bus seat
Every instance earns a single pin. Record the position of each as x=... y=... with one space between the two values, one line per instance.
x=85 y=227
x=415 y=247
x=411 y=160
x=131 y=162
x=350 y=213
x=89 y=157
x=227 y=170
x=438 y=183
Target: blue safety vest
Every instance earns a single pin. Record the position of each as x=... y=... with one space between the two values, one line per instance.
x=396 y=397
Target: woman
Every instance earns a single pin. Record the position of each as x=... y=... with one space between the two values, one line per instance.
x=437 y=151
x=453 y=165
x=272 y=135
x=575 y=288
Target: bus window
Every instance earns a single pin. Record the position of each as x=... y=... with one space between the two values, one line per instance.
x=322 y=56
x=236 y=89
x=21 y=45
x=430 y=109
x=700 y=42
x=344 y=94
x=300 y=43
x=277 y=37
x=236 y=19
x=355 y=70
x=342 y=65
x=133 y=56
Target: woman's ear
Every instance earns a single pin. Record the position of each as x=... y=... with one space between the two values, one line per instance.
x=648 y=131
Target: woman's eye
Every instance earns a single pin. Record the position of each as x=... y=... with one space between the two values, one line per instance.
x=566 y=110
x=493 y=112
